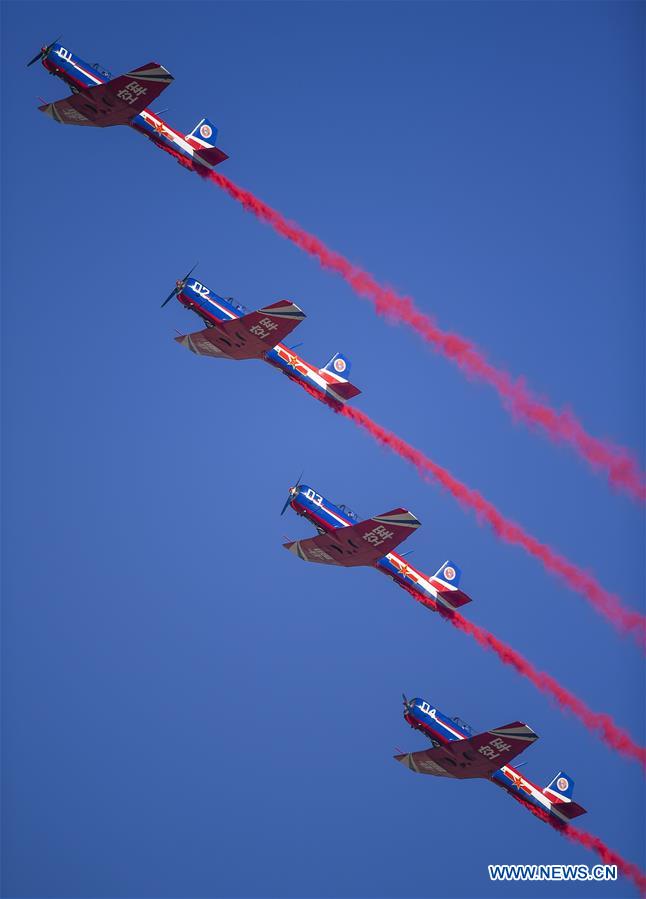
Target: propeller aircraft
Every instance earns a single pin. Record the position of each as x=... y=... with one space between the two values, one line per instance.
x=344 y=540
x=234 y=333
x=458 y=753
x=100 y=100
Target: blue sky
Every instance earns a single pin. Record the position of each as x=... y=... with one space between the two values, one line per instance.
x=189 y=710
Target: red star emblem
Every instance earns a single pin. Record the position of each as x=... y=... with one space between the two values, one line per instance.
x=159 y=128
x=518 y=782
x=293 y=361
x=404 y=570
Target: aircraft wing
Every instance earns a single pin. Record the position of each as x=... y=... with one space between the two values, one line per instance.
x=248 y=337
x=478 y=756
x=114 y=103
x=358 y=544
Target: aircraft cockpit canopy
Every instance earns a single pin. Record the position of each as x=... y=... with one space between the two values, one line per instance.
x=462 y=724
x=237 y=305
x=349 y=512
x=107 y=75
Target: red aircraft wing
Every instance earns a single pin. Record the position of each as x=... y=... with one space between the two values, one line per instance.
x=358 y=544
x=248 y=337
x=478 y=756
x=114 y=103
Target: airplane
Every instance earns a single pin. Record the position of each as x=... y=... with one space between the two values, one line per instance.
x=346 y=541
x=459 y=753
x=100 y=100
x=234 y=333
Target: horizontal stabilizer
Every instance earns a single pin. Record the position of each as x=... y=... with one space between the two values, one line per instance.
x=211 y=155
x=569 y=809
x=343 y=390
x=454 y=598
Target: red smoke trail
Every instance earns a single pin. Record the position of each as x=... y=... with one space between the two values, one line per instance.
x=622 y=470
x=608 y=856
x=598 y=722
x=608 y=604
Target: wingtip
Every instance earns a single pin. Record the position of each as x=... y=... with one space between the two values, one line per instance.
x=400 y=517
x=152 y=71
x=185 y=340
x=517 y=730
x=48 y=110
x=284 y=309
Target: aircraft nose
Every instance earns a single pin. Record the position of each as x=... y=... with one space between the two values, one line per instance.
x=409 y=704
x=291 y=495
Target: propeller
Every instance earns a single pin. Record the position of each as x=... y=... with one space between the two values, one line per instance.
x=408 y=703
x=292 y=492
x=179 y=286
x=43 y=52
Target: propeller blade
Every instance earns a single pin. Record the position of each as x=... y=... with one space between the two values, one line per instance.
x=292 y=491
x=169 y=297
x=43 y=53
x=179 y=286
x=188 y=274
x=404 y=698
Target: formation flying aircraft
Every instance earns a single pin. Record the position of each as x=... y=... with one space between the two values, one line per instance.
x=346 y=541
x=458 y=753
x=100 y=100
x=233 y=333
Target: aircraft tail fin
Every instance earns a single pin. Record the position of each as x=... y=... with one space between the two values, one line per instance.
x=335 y=372
x=205 y=134
x=446 y=581
x=202 y=138
x=448 y=574
x=560 y=791
x=337 y=368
